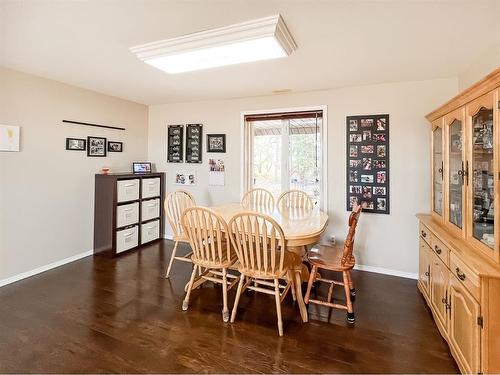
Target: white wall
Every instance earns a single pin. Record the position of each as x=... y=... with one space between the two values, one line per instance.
x=46 y=192
x=385 y=241
x=481 y=67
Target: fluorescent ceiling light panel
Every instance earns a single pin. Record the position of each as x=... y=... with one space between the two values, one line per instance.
x=262 y=39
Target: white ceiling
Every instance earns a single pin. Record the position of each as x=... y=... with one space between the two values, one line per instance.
x=340 y=43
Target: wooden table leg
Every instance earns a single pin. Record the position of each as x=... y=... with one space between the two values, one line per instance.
x=298 y=292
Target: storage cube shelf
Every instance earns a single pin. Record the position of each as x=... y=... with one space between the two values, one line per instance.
x=127 y=211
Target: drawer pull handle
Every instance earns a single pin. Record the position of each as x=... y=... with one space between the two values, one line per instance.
x=423 y=234
x=460 y=274
x=127 y=209
x=128 y=234
x=152 y=205
x=426 y=273
x=129 y=185
x=438 y=250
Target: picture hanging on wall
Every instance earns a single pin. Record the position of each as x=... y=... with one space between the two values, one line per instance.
x=9 y=138
x=76 y=144
x=216 y=143
x=368 y=163
x=185 y=178
x=115 y=146
x=194 y=143
x=175 y=137
x=96 y=146
x=216 y=172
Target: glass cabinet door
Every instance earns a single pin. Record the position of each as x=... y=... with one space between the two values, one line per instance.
x=482 y=172
x=457 y=174
x=437 y=172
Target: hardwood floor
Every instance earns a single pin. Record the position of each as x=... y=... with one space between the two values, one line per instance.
x=119 y=315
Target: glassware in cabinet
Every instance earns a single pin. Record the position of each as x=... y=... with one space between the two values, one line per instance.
x=437 y=168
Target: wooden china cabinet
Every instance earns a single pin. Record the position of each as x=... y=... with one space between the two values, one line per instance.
x=459 y=271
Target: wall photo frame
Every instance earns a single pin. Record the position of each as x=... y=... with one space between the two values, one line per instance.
x=9 y=138
x=175 y=138
x=76 y=144
x=216 y=143
x=96 y=146
x=367 y=169
x=194 y=133
x=115 y=146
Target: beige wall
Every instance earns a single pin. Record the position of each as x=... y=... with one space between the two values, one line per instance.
x=383 y=241
x=46 y=193
x=482 y=66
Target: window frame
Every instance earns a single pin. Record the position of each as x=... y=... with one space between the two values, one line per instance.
x=246 y=145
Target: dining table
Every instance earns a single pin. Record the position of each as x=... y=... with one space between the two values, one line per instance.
x=302 y=227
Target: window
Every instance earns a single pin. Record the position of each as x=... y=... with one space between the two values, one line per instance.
x=283 y=152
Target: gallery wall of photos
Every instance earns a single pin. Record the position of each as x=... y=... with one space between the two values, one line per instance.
x=368 y=163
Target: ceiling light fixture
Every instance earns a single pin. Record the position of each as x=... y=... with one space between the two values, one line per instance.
x=261 y=39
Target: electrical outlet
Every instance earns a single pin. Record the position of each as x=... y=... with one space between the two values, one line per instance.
x=333 y=240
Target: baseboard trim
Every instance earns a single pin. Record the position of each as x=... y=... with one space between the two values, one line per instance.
x=386 y=271
x=168 y=237
x=41 y=269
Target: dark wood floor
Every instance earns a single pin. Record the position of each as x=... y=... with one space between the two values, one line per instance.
x=119 y=315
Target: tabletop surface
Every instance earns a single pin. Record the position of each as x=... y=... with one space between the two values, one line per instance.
x=295 y=222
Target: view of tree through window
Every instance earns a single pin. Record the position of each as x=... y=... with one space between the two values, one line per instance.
x=287 y=155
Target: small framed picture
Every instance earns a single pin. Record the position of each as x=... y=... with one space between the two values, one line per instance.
x=141 y=167
x=76 y=144
x=353 y=125
x=216 y=143
x=96 y=146
x=115 y=146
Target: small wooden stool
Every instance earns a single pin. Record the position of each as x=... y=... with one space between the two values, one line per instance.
x=338 y=259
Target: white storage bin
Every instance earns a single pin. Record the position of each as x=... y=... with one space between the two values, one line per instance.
x=127 y=239
x=150 y=209
x=150 y=187
x=150 y=231
x=127 y=214
x=127 y=190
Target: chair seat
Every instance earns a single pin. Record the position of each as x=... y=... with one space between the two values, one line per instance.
x=291 y=261
x=329 y=257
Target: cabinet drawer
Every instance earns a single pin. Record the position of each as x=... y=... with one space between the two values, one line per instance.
x=127 y=239
x=465 y=275
x=425 y=233
x=440 y=249
x=127 y=190
x=150 y=209
x=150 y=231
x=150 y=187
x=127 y=214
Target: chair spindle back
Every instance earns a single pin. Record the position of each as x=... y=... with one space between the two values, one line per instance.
x=347 y=256
x=258 y=197
x=259 y=243
x=295 y=199
x=175 y=204
x=208 y=235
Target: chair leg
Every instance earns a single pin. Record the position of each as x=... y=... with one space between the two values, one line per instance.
x=237 y=298
x=167 y=274
x=351 y=286
x=310 y=283
x=185 y=303
x=298 y=294
x=225 y=310
x=350 y=312
x=290 y=280
x=278 y=306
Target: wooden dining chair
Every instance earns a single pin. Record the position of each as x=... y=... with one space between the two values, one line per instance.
x=258 y=197
x=263 y=260
x=295 y=199
x=175 y=204
x=339 y=259
x=208 y=236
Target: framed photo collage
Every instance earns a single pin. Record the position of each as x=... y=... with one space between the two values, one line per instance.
x=368 y=163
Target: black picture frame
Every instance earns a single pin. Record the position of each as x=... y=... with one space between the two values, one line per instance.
x=91 y=148
x=211 y=138
x=141 y=167
x=367 y=166
x=194 y=143
x=115 y=146
x=175 y=140
x=72 y=148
